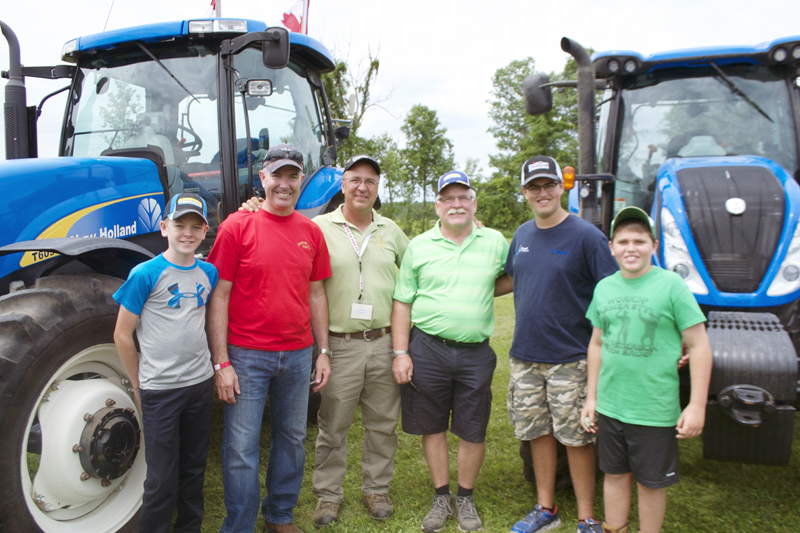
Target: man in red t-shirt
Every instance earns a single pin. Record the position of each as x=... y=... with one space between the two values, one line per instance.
x=269 y=297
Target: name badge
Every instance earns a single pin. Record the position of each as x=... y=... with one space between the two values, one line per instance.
x=361 y=311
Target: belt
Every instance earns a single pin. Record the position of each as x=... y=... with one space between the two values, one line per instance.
x=454 y=344
x=367 y=334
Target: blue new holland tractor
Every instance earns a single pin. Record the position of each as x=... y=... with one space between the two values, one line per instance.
x=706 y=141
x=151 y=111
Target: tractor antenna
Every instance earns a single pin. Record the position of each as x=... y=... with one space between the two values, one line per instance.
x=109 y=15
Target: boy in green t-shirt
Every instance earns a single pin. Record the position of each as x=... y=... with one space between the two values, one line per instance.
x=641 y=316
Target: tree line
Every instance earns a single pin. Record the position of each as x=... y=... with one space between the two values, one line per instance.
x=410 y=173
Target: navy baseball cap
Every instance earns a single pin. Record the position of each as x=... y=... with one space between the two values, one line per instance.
x=187 y=202
x=541 y=166
x=362 y=158
x=454 y=176
x=281 y=155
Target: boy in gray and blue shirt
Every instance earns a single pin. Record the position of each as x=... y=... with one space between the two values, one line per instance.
x=164 y=301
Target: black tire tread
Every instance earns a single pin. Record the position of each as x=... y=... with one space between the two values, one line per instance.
x=31 y=320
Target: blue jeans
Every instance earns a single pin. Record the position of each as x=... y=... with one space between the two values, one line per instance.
x=284 y=377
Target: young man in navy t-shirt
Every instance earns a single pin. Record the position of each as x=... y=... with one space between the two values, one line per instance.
x=555 y=261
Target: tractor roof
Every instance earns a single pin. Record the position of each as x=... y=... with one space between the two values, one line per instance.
x=313 y=52
x=785 y=50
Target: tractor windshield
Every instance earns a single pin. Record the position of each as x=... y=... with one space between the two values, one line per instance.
x=124 y=101
x=743 y=110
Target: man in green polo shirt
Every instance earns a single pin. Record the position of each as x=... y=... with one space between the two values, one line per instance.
x=446 y=287
x=365 y=249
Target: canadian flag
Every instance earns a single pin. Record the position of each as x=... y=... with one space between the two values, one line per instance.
x=296 y=17
x=211 y=12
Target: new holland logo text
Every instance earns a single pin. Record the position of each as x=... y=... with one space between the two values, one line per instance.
x=117 y=231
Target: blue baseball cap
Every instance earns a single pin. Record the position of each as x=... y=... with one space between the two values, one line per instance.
x=187 y=203
x=454 y=176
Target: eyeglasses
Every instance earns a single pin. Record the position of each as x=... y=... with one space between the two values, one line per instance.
x=450 y=199
x=549 y=186
x=369 y=182
x=278 y=154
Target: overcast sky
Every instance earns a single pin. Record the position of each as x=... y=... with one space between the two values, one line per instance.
x=440 y=54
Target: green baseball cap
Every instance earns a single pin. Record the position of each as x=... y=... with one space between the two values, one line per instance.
x=638 y=214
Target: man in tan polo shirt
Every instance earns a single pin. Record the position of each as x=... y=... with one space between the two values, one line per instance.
x=364 y=248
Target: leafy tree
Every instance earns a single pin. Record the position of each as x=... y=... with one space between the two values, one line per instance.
x=520 y=136
x=340 y=84
x=120 y=112
x=428 y=153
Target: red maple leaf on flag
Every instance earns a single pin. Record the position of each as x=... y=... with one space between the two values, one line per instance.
x=291 y=22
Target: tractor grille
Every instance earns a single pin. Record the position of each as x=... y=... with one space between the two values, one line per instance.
x=736 y=249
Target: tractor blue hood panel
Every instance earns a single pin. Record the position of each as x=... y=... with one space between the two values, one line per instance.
x=76 y=197
x=737 y=255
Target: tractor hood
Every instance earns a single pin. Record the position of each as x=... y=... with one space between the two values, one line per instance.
x=76 y=197
x=737 y=217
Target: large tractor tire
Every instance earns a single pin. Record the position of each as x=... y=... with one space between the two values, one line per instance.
x=70 y=434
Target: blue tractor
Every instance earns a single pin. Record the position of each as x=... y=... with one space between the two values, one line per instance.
x=151 y=111
x=706 y=141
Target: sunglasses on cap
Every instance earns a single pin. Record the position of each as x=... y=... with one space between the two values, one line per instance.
x=277 y=155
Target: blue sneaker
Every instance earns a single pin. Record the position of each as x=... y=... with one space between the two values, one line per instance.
x=590 y=525
x=538 y=521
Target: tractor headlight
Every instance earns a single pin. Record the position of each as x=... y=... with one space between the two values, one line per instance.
x=676 y=254
x=682 y=270
x=780 y=55
x=788 y=279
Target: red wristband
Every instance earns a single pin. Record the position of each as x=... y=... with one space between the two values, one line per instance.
x=222 y=365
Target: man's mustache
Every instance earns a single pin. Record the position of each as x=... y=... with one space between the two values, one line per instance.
x=457 y=211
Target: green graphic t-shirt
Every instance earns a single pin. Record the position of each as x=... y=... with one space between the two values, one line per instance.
x=642 y=320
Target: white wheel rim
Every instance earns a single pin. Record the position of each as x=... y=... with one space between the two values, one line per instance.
x=114 y=507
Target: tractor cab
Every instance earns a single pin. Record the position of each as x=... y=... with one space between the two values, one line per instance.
x=706 y=142
x=201 y=100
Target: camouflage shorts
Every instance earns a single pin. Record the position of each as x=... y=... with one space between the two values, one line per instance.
x=546 y=398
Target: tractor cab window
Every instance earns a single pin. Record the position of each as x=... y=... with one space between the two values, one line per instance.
x=125 y=102
x=680 y=114
x=290 y=115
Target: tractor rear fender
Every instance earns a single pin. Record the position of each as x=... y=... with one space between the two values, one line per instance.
x=111 y=257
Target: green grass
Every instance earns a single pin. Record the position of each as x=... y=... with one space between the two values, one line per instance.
x=712 y=497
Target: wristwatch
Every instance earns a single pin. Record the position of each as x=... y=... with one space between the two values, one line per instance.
x=325 y=351
x=395 y=353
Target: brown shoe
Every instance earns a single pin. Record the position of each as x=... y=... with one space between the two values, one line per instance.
x=379 y=505
x=281 y=528
x=325 y=513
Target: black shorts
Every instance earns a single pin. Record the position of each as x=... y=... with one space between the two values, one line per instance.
x=650 y=453
x=455 y=379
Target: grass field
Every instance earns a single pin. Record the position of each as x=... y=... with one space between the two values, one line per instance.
x=712 y=497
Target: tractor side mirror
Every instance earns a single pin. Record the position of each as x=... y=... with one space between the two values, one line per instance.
x=538 y=99
x=342 y=132
x=275 y=48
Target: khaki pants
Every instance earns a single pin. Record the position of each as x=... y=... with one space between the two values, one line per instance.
x=361 y=374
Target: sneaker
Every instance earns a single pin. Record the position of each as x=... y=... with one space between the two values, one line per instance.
x=379 y=505
x=590 y=525
x=325 y=513
x=537 y=521
x=436 y=518
x=468 y=519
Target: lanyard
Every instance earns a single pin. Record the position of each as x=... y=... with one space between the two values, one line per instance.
x=359 y=253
